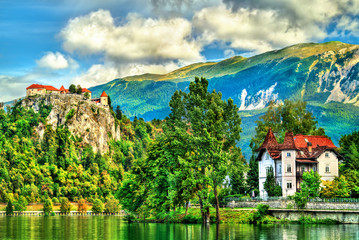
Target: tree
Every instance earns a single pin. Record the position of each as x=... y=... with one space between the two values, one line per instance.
x=112 y=205
x=48 y=207
x=338 y=188
x=349 y=149
x=97 y=206
x=78 y=89
x=86 y=95
x=72 y=88
x=292 y=115
x=118 y=112
x=212 y=129
x=253 y=176
x=9 y=208
x=310 y=188
x=21 y=204
x=271 y=186
x=82 y=206
x=65 y=206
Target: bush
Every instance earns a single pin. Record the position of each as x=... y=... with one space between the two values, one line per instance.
x=262 y=210
x=9 y=208
x=82 y=206
x=70 y=114
x=97 y=206
x=112 y=206
x=21 y=204
x=48 y=207
x=191 y=219
x=65 y=205
x=55 y=200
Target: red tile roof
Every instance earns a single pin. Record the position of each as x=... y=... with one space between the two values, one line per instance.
x=62 y=88
x=39 y=86
x=300 y=142
x=103 y=94
x=306 y=161
x=270 y=142
x=288 y=142
x=86 y=90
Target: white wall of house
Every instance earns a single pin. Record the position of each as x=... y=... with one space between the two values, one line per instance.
x=289 y=172
x=265 y=163
x=328 y=165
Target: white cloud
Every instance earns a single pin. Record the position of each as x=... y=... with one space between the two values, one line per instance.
x=137 y=39
x=255 y=31
x=56 y=61
x=99 y=74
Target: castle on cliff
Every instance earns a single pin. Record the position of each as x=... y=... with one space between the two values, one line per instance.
x=37 y=89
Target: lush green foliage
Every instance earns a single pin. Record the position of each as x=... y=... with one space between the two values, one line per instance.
x=48 y=207
x=112 y=205
x=338 y=188
x=97 y=206
x=192 y=157
x=9 y=208
x=65 y=206
x=58 y=164
x=310 y=188
x=271 y=186
x=21 y=204
x=262 y=211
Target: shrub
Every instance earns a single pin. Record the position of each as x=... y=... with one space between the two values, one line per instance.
x=21 y=204
x=112 y=206
x=70 y=114
x=191 y=219
x=82 y=206
x=55 y=200
x=97 y=206
x=9 y=208
x=65 y=205
x=262 y=210
x=48 y=207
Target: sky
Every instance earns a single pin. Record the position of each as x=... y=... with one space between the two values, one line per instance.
x=91 y=42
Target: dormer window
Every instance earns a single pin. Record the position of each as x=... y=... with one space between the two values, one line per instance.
x=326 y=154
x=288 y=154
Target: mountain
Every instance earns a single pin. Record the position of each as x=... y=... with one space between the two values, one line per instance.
x=325 y=75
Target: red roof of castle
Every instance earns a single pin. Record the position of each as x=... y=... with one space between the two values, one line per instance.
x=300 y=141
x=103 y=94
x=86 y=90
x=62 y=88
x=39 y=86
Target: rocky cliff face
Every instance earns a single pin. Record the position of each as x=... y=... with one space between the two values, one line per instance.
x=94 y=124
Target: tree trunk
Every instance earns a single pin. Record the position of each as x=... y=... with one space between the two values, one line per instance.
x=218 y=217
x=185 y=214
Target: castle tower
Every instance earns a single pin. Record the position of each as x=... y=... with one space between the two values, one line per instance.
x=104 y=99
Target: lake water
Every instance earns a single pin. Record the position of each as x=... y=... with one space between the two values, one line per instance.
x=112 y=227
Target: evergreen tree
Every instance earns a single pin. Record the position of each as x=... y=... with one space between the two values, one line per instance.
x=72 y=88
x=271 y=186
x=48 y=207
x=9 y=208
x=97 y=206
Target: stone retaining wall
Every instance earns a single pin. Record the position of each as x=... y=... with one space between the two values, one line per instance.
x=342 y=216
x=289 y=204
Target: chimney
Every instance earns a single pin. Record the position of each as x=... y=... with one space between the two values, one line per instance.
x=309 y=144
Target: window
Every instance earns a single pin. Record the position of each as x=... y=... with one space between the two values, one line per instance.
x=279 y=168
x=289 y=167
x=289 y=185
x=303 y=169
x=288 y=154
x=326 y=154
x=327 y=168
x=267 y=170
x=314 y=168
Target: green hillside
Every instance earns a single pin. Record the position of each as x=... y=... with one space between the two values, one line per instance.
x=325 y=75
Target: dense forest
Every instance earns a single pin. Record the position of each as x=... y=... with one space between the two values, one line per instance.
x=191 y=157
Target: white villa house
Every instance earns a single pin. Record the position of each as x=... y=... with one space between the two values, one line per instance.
x=296 y=155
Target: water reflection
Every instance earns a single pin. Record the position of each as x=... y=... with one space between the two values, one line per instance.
x=111 y=227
